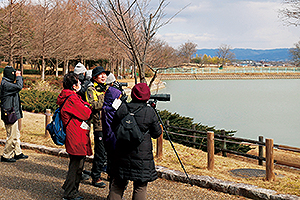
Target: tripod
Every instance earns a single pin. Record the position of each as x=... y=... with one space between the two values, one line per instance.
x=153 y=105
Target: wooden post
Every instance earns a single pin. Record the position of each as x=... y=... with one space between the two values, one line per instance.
x=269 y=160
x=159 y=145
x=194 y=134
x=223 y=144
x=210 y=150
x=260 y=150
x=47 y=121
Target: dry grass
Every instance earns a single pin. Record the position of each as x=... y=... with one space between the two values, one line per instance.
x=194 y=160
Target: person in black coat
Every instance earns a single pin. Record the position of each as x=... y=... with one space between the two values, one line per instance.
x=11 y=85
x=135 y=163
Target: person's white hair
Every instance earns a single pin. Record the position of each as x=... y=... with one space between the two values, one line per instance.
x=79 y=68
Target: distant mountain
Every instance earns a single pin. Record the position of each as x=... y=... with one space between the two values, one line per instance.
x=252 y=54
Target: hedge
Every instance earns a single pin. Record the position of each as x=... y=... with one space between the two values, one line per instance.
x=38 y=101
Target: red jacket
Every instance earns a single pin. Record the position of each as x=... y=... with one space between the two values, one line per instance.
x=74 y=113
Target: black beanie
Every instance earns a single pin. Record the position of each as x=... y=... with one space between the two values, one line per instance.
x=10 y=73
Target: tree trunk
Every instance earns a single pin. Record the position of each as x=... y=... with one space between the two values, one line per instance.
x=43 y=68
x=21 y=64
x=56 y=68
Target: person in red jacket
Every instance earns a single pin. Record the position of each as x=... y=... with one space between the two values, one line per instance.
x=74 y=113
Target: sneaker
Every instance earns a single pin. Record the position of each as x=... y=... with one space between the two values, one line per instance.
x=98 y=183
x=20 y=156
x=7 y=159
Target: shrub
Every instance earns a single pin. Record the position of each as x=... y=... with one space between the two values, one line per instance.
x=53 y=84
x=38 y=101
x=31 y=71
x=187 y=122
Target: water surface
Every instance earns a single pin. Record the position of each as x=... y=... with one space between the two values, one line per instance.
x=251 y=107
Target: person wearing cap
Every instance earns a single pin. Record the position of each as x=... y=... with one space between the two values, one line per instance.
x=84 y=78
x=135 y=163
x=11 y=85
x=95 y=97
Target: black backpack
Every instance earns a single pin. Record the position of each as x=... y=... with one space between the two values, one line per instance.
x=128 y=132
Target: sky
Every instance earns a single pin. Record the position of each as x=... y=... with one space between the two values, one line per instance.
x=253 y=24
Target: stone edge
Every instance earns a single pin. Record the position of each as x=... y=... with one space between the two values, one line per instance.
x=241 y=189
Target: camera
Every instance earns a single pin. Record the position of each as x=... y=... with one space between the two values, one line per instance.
x=160 y=97
x=119 y=85
x=123 y=84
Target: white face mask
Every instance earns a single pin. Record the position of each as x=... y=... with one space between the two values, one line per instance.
x=77 y=85
x=79 y=88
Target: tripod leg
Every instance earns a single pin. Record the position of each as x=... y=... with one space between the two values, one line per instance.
x=168 y=136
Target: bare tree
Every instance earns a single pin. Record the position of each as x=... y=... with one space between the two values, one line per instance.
x=47 y=31
x=186 y=50
x=225 y=54
x=161 y=56
x=14 y=30
x=295 y=52
x=133 y=25
x=290 y=13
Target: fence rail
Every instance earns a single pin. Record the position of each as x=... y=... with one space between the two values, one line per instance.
x=230 y=70
x=211 y=137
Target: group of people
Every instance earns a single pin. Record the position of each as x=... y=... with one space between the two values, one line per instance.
x=92 y=100
x=93 y=97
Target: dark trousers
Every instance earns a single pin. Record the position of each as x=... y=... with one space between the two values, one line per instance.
x=71 y=184
x=118 y=186
x=99 y=155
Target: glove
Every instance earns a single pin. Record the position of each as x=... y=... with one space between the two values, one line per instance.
x=117 y=85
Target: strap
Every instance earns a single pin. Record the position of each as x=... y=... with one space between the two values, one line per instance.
x=137 y=110
x=61 y=108
x=65 y=101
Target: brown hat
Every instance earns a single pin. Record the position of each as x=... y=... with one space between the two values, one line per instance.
x=140 y=92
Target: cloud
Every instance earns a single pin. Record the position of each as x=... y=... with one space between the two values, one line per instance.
x=239 y=23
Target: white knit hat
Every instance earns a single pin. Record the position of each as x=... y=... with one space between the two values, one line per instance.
x=110 y=78
x=79 y=68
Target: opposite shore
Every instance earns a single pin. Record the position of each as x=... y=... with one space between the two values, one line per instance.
x=213 y=76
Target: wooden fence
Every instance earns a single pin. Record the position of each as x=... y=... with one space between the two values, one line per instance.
x=211 y=137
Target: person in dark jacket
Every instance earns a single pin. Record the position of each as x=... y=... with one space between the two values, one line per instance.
x=74 y=114
x=135 y=163
x=11 y=85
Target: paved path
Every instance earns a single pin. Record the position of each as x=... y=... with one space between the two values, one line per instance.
x=41 y=177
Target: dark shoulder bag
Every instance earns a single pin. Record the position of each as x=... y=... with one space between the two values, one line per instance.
x=10 y=116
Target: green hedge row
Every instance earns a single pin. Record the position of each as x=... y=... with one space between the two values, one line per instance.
x=38 y=101
x=187 y=122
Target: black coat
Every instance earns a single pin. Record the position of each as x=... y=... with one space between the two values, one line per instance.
x=136 y=163
x=10 y=95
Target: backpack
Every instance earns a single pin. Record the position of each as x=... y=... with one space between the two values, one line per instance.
x=56 y=128
x=128 y=131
